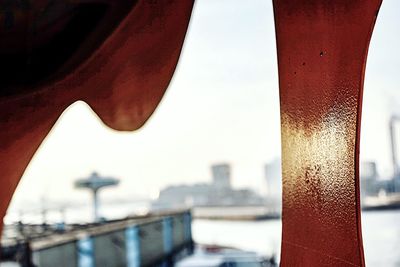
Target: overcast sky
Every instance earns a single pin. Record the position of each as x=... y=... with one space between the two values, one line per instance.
x=222 y=106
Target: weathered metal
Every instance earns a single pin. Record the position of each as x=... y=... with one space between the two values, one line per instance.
x=121 y=72
x=322 y=50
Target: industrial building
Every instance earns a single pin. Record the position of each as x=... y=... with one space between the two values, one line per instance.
x=217 y=193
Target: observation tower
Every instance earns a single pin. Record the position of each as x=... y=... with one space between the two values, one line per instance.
x=94 y=183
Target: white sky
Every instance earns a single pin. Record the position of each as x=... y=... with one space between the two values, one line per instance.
x=222 y=106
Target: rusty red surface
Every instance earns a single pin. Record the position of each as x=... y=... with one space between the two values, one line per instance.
x=322 y=50
x=121 y=67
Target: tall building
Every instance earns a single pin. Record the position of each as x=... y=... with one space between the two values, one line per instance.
x=368 y=170
x=221 y=176
x=273 y=176
x=369 y=184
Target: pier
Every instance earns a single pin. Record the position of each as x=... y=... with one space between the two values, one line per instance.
x=155 y=240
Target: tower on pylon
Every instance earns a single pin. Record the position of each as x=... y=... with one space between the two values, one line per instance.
x=95 y=183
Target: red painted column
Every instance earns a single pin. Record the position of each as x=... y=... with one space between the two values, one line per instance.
x=322 y=50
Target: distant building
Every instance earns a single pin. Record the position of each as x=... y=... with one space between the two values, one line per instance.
x=273 y=176
x=371 y=184
x=368 y=170
x=217 y=193
x=368 y=178
x=185 y=195
x=221 y=176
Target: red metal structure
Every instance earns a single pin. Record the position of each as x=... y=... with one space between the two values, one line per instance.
x=120 y=57
x=322 y=51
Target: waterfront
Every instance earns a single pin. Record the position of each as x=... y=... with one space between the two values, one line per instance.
x=381 y=235
x=381 y=231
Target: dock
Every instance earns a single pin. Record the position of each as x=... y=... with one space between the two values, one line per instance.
x=154 y=240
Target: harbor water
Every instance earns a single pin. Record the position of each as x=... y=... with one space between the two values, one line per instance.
x=381 y=235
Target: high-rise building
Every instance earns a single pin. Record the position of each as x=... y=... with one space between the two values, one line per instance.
x=368 y=178
x=221 y=176
x=273 y=175
x=368 y=170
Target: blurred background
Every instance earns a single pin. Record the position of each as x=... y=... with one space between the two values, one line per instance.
x=213 y=143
